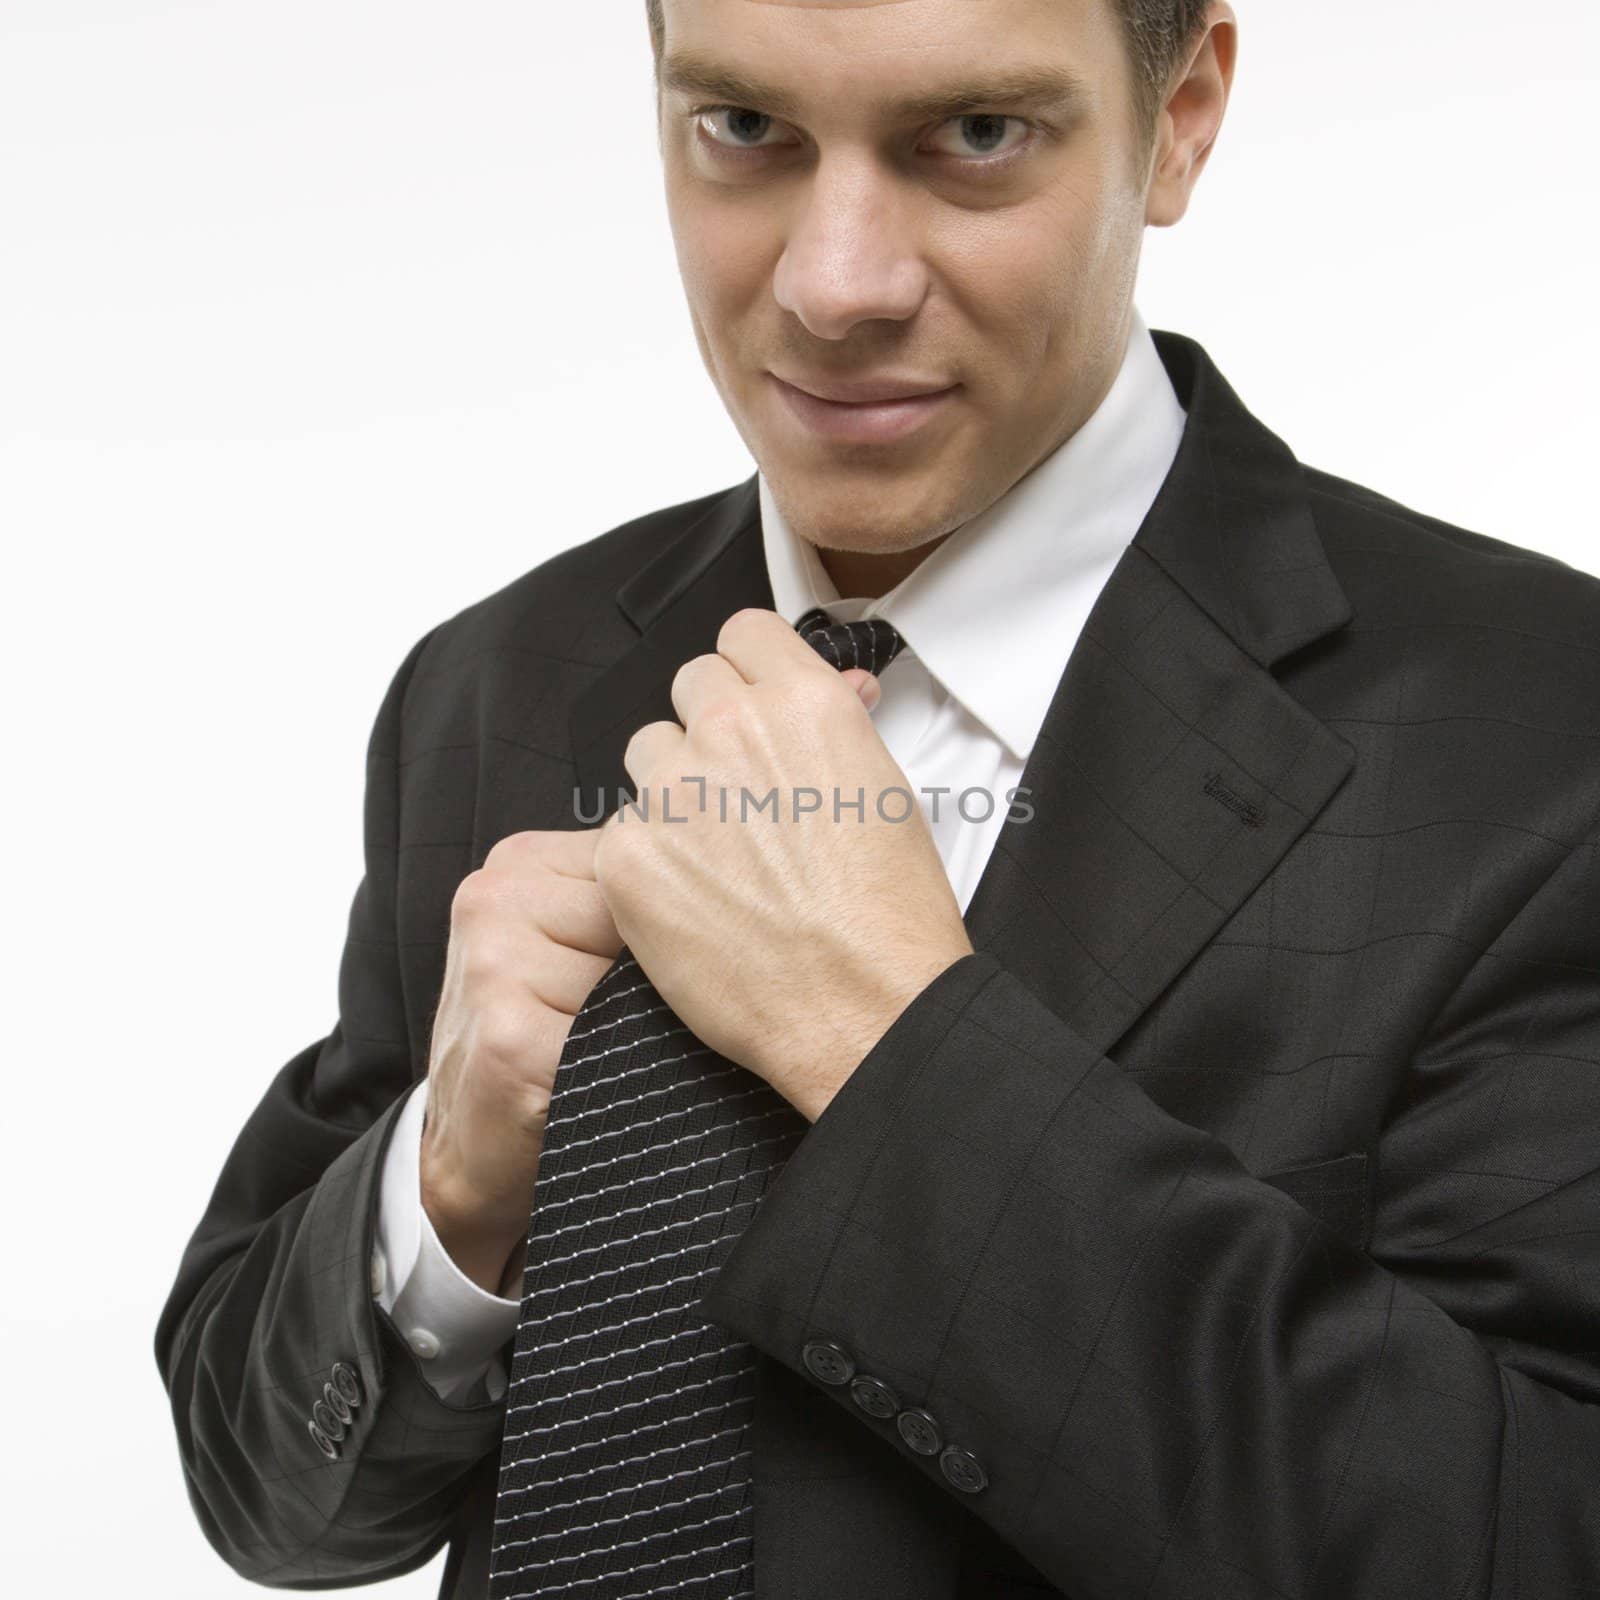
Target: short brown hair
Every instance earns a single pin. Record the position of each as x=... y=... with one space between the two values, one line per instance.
x=1159 y=34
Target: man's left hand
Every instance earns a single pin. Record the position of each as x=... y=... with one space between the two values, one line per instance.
x=787 y=938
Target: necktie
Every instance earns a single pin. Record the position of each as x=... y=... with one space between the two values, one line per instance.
x=623 y=1468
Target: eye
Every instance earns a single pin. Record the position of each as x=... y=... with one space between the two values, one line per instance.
x=745 y=128
x=982 y=135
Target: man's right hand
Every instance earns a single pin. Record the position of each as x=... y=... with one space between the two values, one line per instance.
x=530 y=936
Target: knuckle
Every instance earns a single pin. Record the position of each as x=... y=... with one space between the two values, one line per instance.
x=737 y=624
x=685 y=673
x=515 y=850
x=470 y=897
x=640 y=737
x=483 y=896
x=721 y=721
x=480 y=964
x=502 y=851
x=502 y=1032
x=812 y=695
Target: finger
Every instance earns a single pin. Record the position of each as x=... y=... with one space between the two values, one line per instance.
x=700 y=682
x=568 y=851
x=651 y=750
x=566 y=977
x=865 y=685
x=760 y=644
x=573 y=913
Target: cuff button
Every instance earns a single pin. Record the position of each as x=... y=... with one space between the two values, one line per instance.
x=961 y=1468
x=875 y=1397
x=337 y=1403
x=324 y=1443
x=920 y=1430
x=348 y=1384
x=828 y=1362
x=322 y=1415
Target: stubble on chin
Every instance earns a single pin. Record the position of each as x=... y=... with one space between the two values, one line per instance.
x=881 y=523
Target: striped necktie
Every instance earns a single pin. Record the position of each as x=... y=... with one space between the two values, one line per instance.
x=624 y=1471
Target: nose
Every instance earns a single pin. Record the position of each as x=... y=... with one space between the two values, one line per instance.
x=852 y=254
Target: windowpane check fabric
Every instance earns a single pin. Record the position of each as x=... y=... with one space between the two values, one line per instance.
x=623 y=1468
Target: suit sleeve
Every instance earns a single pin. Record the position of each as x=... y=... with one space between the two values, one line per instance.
x=1161 y=1376
x=272 y=1315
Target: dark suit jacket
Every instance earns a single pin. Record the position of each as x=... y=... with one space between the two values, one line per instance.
x=1236 y=1205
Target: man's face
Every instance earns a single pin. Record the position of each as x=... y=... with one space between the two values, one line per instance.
x=830 y=233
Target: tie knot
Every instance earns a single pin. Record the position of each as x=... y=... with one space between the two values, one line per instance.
x=872 y=642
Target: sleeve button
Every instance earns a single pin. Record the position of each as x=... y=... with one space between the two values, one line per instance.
x=336 y=1403
x=324 y=1443
x=828 y=1362
x=874 y=1396
x=920 y=1430
x=961 y=1468
x=322 y=1415
x=348 y=1384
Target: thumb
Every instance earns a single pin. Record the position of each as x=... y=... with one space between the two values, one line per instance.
x=865 y=685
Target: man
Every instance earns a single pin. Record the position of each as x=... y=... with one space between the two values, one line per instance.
x=1202 y=1156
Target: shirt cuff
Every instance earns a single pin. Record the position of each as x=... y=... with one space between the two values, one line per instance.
x=453 y=1327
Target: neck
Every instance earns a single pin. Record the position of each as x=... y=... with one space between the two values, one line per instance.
x=871 y=576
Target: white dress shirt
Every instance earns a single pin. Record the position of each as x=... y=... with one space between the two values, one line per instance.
x=989 y=620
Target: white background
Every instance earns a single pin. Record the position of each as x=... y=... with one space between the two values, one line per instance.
x=318 y=321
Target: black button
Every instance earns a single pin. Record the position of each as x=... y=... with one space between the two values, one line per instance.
x=827 y=1362
x=324 y=1418
x=324 y=1443
x=875 y=1397
x=347 y=1383
x=337 y=1403
x=920 y=1431
x=962 y=1469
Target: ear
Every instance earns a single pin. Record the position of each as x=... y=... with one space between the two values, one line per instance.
x=1192 y=118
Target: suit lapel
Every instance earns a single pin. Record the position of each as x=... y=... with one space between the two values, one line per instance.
x=1170 y=775
x=1172 y=770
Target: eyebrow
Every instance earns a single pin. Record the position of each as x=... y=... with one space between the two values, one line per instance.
x=687 y=73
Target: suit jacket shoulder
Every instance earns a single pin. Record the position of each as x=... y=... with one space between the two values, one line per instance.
x=1369 y=536
x=1479 y=652
x=527 y=648
x=561 y=612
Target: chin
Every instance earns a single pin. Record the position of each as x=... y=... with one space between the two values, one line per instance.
x=864 y=530
x=880 y=519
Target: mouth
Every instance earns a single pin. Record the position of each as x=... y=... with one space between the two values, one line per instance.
x=862 y=421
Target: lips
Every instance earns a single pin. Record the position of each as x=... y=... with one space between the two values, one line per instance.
x=879 y=418
x=865 y=391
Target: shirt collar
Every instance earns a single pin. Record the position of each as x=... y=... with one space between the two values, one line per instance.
x=995 y=611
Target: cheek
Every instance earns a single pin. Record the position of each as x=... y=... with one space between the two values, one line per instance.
x=1117 y=241
x=721 y=256
x=1022 y=282
x=1069 y=261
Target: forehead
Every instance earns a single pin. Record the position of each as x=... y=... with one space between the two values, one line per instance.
x=898 y=56
x=888 y=20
